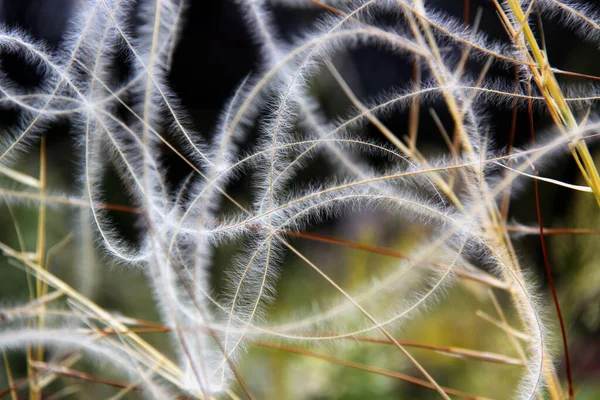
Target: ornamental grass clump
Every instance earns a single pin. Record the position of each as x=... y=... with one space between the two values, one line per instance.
x=109 y=78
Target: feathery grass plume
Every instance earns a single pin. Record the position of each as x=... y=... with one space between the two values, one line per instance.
x=271 y=132
x=178 y=281
x=273 y=50
x=581 y=16
x=103 y=350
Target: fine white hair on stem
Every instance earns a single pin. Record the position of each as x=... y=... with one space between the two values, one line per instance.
x=104 y=350
x=272 y=132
